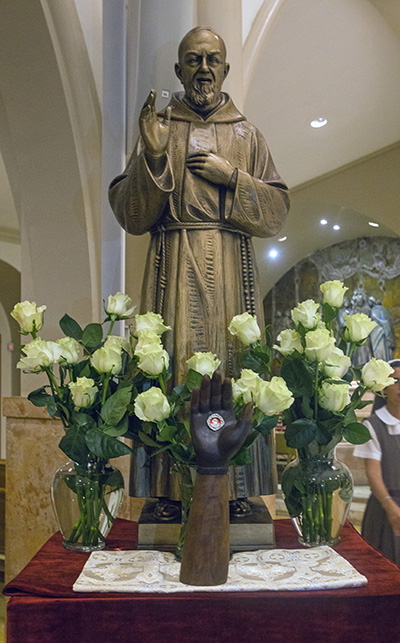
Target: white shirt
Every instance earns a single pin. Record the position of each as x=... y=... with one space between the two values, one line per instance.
x=372 y=449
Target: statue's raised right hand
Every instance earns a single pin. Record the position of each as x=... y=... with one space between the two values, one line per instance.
x=155 y=131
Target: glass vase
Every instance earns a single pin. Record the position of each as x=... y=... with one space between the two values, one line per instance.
x=86 y=500
x=317 y=490
x=186 y=489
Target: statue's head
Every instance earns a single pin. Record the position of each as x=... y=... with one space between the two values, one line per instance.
x=202 y=67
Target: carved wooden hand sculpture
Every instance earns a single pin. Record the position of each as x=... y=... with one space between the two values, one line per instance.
x=217 y=436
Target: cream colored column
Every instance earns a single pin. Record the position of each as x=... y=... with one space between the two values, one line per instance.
x=33 y=457
x=225 y=17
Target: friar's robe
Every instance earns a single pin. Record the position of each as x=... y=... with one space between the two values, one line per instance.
x=200 y=268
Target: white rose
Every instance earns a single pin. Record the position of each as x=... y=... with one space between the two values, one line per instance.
x=153 y=359
x=358 y=327
x=273 y=397
x=152 y=405
x=107 y=360
x=245 y=328
x=83 y=392
x=39 y=354
x=28 y=315
x=337 y=364
x=319 y=345
x=306 y=313
x=375 y=375
x=117 y=342
x=147 y=338
x=333 y=293
x=120 y=306
x=246 y=386
x=290 y=340
x=70 y=350
x=151 y=321
x=204 y=363
x=334 y=397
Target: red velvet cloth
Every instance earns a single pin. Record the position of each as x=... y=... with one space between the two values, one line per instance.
x=44 y=608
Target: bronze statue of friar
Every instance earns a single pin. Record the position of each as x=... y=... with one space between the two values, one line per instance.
x=201 y=180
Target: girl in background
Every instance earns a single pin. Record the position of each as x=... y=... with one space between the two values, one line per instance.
x=381 y=522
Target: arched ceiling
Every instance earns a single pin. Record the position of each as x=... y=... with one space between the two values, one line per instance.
x=334 y=59
x=340 y=60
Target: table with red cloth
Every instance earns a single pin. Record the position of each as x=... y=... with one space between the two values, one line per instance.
x=43 y=607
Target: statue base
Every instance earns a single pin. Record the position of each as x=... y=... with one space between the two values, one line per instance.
x=247 y=533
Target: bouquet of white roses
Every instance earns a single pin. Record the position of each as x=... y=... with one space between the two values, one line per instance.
x=92 y=380
x=327 y=391
x=157 y=422
x=107 y=388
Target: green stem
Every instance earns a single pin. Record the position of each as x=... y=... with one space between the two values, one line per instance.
x=105 y=388
x=352 y=349
x=316 y=393
x=111 y=327
x=162 y=384
x=186 y=499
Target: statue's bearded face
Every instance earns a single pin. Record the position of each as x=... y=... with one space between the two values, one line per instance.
x=202 y=68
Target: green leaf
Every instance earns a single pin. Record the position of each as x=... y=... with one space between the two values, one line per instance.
x=252 y=437
x=322 y=435
x=255 y=359
x=350 y=417
x=167 y=433
x=180 y=453
x=346 y=492
x=356 y=433
x=70 y=327
x=267 y=424
x=300 y=433
x=105 y=446
x=83 y=420
x=306 y=408
x=328 y=312
x=115 y=407
x=39 y=397
x=119 y=429
x=147 y=440
x=92 y=335
x=82 y=369
x=193 y=379
x=73 y=444
x=178 y=397
x=297 y=377
x=52 y=408
x=241 y=458
x=115 y=480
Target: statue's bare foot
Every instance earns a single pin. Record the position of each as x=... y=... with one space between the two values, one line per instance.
x=166 y=510
x=240 y=508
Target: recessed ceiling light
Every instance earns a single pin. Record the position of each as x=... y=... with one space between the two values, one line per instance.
x=282 y=239
x=336 y=227
x=373 y=224
x=318 y=122
x=273 y=253
x=323 y=222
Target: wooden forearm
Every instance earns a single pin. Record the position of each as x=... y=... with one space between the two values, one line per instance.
x=205 y=558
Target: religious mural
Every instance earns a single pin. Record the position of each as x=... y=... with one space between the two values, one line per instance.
x=369 y=267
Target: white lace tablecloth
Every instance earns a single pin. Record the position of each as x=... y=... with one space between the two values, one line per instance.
x=275 y=570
